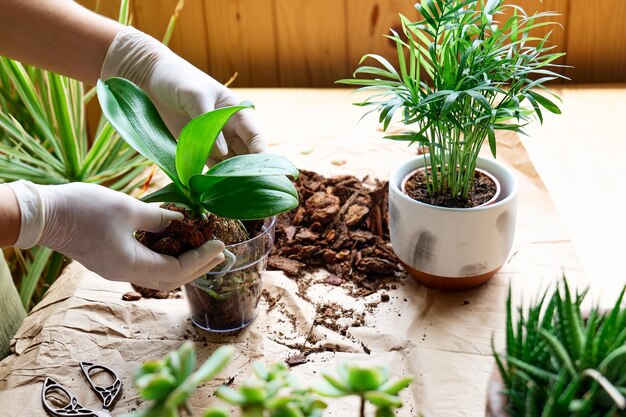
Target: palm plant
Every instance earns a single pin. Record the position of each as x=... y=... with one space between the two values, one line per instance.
x=560 y=363
x=44 y=139
x=462 y=76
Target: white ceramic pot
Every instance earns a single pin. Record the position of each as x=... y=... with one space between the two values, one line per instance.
x=453 y=248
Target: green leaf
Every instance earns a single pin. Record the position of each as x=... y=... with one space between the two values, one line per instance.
x=250 y=198
x=545 y=102
x=156 y=386
x=366 y=379
x=230 y=395
x=216 y=412
x=382 y=399
x=216 y=362
x=134 y=117
x=253 y=165
x=197 y=138
x=394 y=387
x=171 y=193
x=41 y=256
x=326 y=389
x=491 y=134
x=560 y=350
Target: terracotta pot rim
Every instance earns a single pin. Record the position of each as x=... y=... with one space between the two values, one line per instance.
x=482 y=171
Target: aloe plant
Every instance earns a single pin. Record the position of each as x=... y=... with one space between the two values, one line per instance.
x=462 y=76
x=246 y=187
x=560 y=362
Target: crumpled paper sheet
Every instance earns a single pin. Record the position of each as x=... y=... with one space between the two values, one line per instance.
x=443 y=339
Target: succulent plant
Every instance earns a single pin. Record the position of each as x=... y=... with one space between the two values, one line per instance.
x=561 y=362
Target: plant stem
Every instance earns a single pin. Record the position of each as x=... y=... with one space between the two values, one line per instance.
x=362 y=409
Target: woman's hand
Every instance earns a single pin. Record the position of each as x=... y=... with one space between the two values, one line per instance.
x=95 y=226
x=180 y=91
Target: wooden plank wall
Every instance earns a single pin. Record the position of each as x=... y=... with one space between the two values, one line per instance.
x=312 y=43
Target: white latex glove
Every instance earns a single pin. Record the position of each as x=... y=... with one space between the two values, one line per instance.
x=95 y=226
x=180 y=91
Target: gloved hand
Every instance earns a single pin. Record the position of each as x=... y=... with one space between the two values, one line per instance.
x=180 y=91
x=95 y=226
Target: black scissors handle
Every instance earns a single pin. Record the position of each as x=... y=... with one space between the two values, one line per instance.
x=73 y=407
x=107 y=394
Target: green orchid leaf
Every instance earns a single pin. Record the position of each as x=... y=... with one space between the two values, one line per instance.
x=253 y=165
x=137 y=121
x=250 y=198
x=171 y=193
x=197 y=139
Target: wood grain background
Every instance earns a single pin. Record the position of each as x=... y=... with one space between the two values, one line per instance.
x=312 y=43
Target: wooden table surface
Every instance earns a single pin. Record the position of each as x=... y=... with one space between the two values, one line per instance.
x=444 y=339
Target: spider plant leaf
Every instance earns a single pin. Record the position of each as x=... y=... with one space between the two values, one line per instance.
x=197 y=138
x=134 y=117
x=250 y=198
x=28 y=285
x=253 y=165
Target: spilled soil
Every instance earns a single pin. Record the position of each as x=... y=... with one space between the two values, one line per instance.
x=342 y=227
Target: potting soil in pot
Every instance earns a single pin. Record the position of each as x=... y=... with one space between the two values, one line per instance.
x=483 y=189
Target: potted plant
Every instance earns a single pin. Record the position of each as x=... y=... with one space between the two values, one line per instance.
x=462 y=76
x=559 y=361
x=233 y=201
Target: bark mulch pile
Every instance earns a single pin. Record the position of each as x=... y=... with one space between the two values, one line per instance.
x=341 y=226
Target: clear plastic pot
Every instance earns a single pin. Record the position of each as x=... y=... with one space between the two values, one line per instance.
x=227 y=298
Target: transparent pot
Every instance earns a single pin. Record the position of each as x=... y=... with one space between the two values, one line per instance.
x=227 y=298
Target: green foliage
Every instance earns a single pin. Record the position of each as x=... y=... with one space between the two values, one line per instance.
x=170 y=382
x=44 y=139
x=462 y=76
x=369 y=384
x=246 y=187
x=560 y=363
x=271 y=392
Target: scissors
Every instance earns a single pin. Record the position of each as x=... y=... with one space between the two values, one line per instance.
x=108 y=394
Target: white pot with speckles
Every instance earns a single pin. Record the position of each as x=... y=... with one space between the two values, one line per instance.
x=453 y=248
